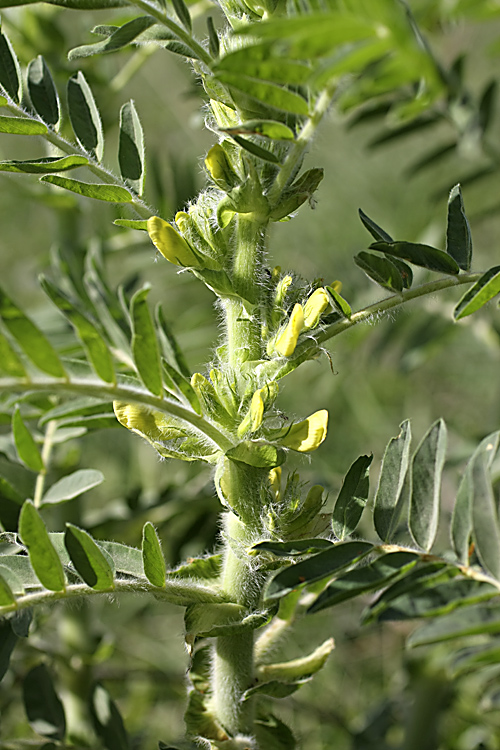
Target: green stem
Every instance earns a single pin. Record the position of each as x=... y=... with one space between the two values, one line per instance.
x=46 y=454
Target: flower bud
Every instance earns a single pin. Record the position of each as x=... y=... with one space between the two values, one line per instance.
x=149 y=424
x=275 y=481
x=308 y=435
x=170 y=244
x=287 y=341
x=315 y=305
x=220 y=169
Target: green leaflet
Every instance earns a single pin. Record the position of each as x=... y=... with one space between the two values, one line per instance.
x=132 y=224
x=291 y=549
x=21 y=126
x=258 y=62
x=43 y=557
x=257 y=453
x=125 y=559
x=273 y=129
x=121 y=37
x=90 y=562
x=479 y=619
x=72 y=486
x=213 y=38
x=98 y=191
x=202 y=619
x=317 y=567
x=10 y=73
x=182 y=13
x=339 y=303
x=75 y=4
x=376 y=232
x=381 y=270
x=131 y=148
x=420 y=255
x=255 y=149
x=45 y=165
x=108 y=723
x=352 y=498
x=273 y=734
x=152 y=555
x=6 y=595
x=269 y=94
x=485 y=525
x=10 y=364
x=44 y=709
x=84 y=116
x=485 y=288
x=26 y=446
x=42 y=91
x=389 y=496
x=145 y=347
x=182 y=387
x=95 y=346
x=427 y=467
x=458 y=235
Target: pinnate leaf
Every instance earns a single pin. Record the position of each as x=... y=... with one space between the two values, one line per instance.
x=98 y=191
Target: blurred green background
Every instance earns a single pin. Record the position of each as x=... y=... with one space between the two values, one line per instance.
x=414 y=364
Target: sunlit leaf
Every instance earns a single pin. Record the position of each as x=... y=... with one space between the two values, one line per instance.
x=153 y=559
x=26 y=446
x=145 y=344
x=21 y=126
x=352 y=498
x=43 y=557
x=268 y=94
x=485 y=288
x=42 y=91
x=427 y=467
x=45 y=165
x=110 y=193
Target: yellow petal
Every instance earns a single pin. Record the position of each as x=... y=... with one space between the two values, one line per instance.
x=170 y=244
x=287 y=342
x=315 y=305
x=308 y=435
x=275 y=481
x=149 y=424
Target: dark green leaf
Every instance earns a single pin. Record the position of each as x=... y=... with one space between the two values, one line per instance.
x=339 y=303
x=480 y=619
x=477 y=657
x=273 y=734
x=131 y=147
x=8 y=640
x=458 y=236
x=30 y=338
x=43 y=557
x=427 y=467
x=10 y=364
x=95 y=347
x=317 y=567
x=265 y=93
x=388 y=505
x=352 y=498
x=21 y=126
x=272 y=129
x=10 y=74
x=108 y=722
x=380 y=270
x=376 y=232
x=26 y=446
x=84 y=116
x=213 y=38
x=367 y=578
x=153 y=559
x=44 y=709
x=88 y=559
x=487 y=105
x=420 y=255
x=20 y=622
x=461 y=522
x=42 y=91
x=255 y=150
x=110 y=193
x=45 y=165
x=145 y=344
x=73 y=485
x=484 y=516
x=257 y=453
x=182 y=13
x=291 y=549
x=485 y=288
x=6 y=594
x=117 y=39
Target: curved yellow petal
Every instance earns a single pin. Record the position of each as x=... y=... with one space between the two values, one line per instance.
x=170 y=244
x=315 y=305
x=308 y=435
x=287 y=342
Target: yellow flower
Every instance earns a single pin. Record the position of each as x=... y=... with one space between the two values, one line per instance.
x=308 y=435
x=170 y=244
x=315 y=305
x=287 y=342
x=149 y=424
x=275 y=481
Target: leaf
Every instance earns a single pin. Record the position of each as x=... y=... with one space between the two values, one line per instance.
x=339 y=303
x=110 y=193
x=427 y=467
x=72 y=486
x=125 y=559
x=6 y=594
x=43 y=557
x=477 y=620
x=213 y=38
x=26 y=446
x=290 y=549
x=182 y=13
x=30 y=338
x=183 y=387
x=420 y=255
x=44 y=709
x=95 y=346
x=259 y=62
x=257 y=453
x=145 y=347
x=461 y=521
x=152 y=555
x=10 y=364
x=88 y=559
x=352 y=498
x=255 y=149
x=376 y=575
x=268 y=94
x=131 y=148
x=484 y=516
x=21 y=126
x=380 y=270
x=273 y=129
x=107 y=720
x=117 y=39
x=317 y=567
x=75 y=4
x=84 y=116
x=458 y=235
x=387 y=510
x=132 y=224
x=10 y=73
x=273 y=734
x=45 y=165
x=376 y=232
x=42 y=91
x=485 y=288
